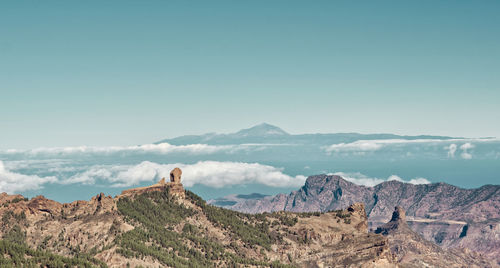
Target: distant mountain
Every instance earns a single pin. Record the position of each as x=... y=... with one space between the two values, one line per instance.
x=262 y=130
x=448 y=215
x=266 y=133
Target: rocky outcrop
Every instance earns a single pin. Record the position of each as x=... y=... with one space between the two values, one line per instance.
x=439 y=212
x=41 y=204
x=175 y=175
x=174 y=187
x=413 y=250
x=399 y=215
x=341 y=239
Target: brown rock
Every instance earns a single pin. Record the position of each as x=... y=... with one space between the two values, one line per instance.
x=411 y=249
x=174 y=187
x=175 y=175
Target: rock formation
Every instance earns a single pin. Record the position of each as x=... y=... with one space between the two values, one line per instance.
x=450 y=216
x=413 y=250
x=175 y=175
x=174 y=187
x=339 y=239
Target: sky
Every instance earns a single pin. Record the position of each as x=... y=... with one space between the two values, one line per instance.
x=134 y=72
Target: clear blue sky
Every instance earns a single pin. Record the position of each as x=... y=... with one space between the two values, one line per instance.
x=132 y=72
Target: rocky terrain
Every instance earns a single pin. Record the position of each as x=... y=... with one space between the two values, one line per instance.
x=162 y=226
x=412 y=250
x=447 y=215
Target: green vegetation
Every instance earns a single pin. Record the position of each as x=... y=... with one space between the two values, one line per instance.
x=251 y=229
x=15 y=200
x=15 y=235
x=9 y=214
x=157 y=216
x=14 y=252
x=308 y=214
x=341 y=214
x=19 y=199
x=19 y=255
x=284 y=219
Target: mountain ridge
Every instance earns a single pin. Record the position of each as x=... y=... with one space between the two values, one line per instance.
x=267 y=133
x=440 y=212
x=163 y=225
x=160 y=226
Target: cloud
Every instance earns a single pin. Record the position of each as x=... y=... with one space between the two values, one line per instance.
x=465 y=147
x=358 y=178
x=361 y=179
x=210 y=173
x=373 y=145
x=451 y=150
x=412 y=181
x=357 y=146
x=12 y=182
x=162 y=148
x=362 y=146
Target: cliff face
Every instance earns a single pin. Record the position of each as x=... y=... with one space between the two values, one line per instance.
x=411 y=249
x=450 y=216
x=153 y=226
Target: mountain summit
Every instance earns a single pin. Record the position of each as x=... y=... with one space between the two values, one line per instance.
x=262 y=130
x=262 y=133
x=266 y=133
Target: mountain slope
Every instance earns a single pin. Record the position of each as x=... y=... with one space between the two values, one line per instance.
x=450 y=216
x=160 y=226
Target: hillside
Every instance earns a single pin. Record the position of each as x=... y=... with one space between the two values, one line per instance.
x=445 y=214
x=160 y=226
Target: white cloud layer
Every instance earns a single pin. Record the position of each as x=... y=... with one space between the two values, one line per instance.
x=465 y=147
x=162 y=148
x=361 y=179
x=451 y=150
x=12 y=182
x=210 y=173
x=362 y=146
x=357 y=146
x=373 y=145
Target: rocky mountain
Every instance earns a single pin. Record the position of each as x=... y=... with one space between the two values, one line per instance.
x=447 y=215
x=412 y=250
x=165 y=226
x=266 y=133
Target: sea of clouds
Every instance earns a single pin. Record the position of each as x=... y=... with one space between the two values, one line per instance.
x=209 y=173
x=362 y=147
x=214 y=174
x=212 y=165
